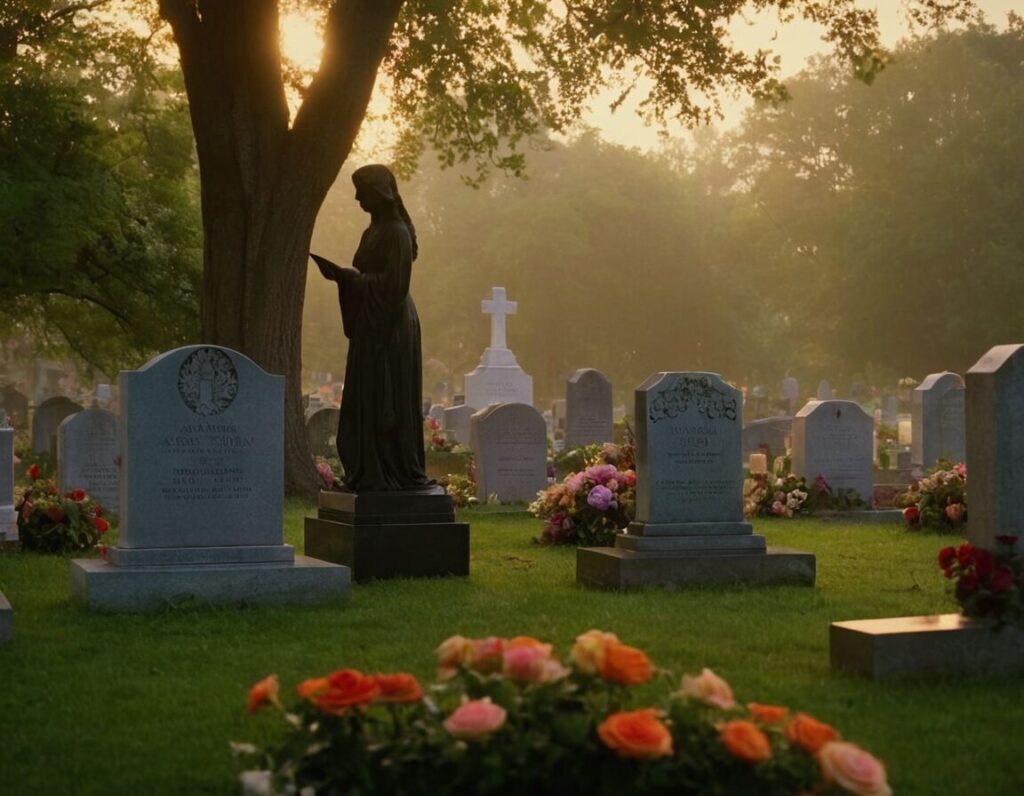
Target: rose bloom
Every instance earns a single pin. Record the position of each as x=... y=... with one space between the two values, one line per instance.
x=77 y=495
x=984 y=562
x=710 y=689
x=947 y=555
x=625 y=665
x=588 y=651
x=532 y=665
x=100 y=524
x=487 y=654
x=745 y=741
x=637 y=734
x=912 y=515
x=474 y=721
x=955 y=512
x=400 y=687
x=33 y=472
x=600 y=497
x=767 y=714
x=339 y=691
x=454 y=652
x=853 y=769
x=808 y=733
x=264 y=691
x=965 y=554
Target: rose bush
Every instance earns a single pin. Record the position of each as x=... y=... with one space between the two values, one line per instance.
x=938 y=501
x=508 y=715
x=988 y=584
x=49 y=522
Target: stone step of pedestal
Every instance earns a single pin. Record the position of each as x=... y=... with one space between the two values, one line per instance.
x=917 y=646
x=429 y=505
x=689 y=528
x=693 y=545
x=192 y=556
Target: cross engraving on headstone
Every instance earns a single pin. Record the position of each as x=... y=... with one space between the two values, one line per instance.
x=498 y=307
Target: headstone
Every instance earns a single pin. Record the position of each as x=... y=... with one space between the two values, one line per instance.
x=103 y=395
x=558 y=417
x=201 y=437
x=322 y=432
x=769 y=432
x=790 y=390
x=87 y=456
x=436 y=412
x=689 y=527
x=8 y=518
x=456 y=423
x=890 y=410
x=833 y=439
x=458 y=399
x=824 y=390
x=15 y=404
x=858 y=392
x=47 y=418
x=498 y=378
x=510 y=449
x=995 y=445
x=937 y=420
x=588 y=408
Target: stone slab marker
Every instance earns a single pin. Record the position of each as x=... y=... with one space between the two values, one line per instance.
x=995 y=445
x=770 y=431
x=498 y=378
x=8 y=518
x=824 y=390
x=510 y=450
x=202 y=476
x=689 y=526
x=87 y=456
x=938 y=426
x=789 y=388
x=457 y=421
x=322 y=431
x=588 y=408
x=833 y=439
x=47 y=418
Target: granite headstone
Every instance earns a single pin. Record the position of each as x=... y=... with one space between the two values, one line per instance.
x=588 y=408
x=768 y=432
x=937 y=420
x=15 y=404
x=824 y=390
x=790 y=391
x=457 y=422
x=8 y=518
x=511 y=452
x=498 y=378
x=833 y=439
x=47 y=418
x=322 y=432
x=87 y=456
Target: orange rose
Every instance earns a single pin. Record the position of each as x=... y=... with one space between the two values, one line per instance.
x=528 y=641
x=454 y=652
x=710 y=689
x=339 y=691
x=636 y=733
x=767 y=714
x=745 y=741
x=625 y=665
x=264 y=691
x=588 y=651
x=853 y=769
x=808 y=733
x=399 y=687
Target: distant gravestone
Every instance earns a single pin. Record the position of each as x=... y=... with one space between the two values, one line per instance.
x=824 y=390
x=202 y=481
x=558 y=418
x=833 y=439
x=790 y=390
x=890 y=410
x=511 y=452
x=769 y=432
x=858 y=392
x=436 y=412
x=47 y=418
x=322 y=432
x=995 y=445
x=87 y=455
x=456 y=423
x=498 y=378
x=458 y=399
x=938 y=425
x=588 y=408
x=8 y=519
x=15 y=404
x=689 y=525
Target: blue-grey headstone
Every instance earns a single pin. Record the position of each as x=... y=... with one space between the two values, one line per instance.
x=47 y=418
x=8 y=520
x=588 y=408
x=768 y=432
x=456 y=423
x=87 y=455
x=833 y=439
x=937 y=420
x=510 y=450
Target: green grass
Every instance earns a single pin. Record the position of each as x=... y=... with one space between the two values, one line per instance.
x=147 y=704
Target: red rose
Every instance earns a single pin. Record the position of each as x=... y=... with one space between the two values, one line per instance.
x=911 y=515
x=984 y=562
x=33 y=472
x=100 y=524
x=53 y=489
x=965 y=554
x=55 y=514
x=77 y=495
x=1002 y=580
x=947 y=555
x=966 y=586
x=98 y=510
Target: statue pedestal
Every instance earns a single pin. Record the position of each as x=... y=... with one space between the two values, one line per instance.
x=390 y=534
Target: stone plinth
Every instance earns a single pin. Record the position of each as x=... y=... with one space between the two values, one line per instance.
x=390 y=534
x=917 y=646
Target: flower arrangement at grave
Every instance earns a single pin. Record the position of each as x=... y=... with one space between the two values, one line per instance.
x=27 y=458
x=822 y=496
x=434 y=439
x=329 y=471
x=775 y=494
x=462 y=488
x=511 y=716
x=937 y=501
x=988 y=584
x=49 y=522
x=590 y=506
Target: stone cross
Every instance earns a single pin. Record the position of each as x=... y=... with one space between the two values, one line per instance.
x=498 y=307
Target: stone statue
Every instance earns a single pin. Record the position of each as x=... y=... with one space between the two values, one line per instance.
x=380 y=430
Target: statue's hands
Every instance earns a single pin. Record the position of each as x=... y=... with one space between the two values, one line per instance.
x=330 y=271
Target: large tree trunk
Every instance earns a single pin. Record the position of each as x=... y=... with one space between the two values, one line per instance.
x=263 y=183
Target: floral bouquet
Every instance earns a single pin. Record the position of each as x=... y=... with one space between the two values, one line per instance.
x=590 y=506
x=822 y=496
x=434 y=438
x=988 y=584
x=462 y=488
x=765 y=494
x=49 y=522
x=510 y=716
x=939 y=500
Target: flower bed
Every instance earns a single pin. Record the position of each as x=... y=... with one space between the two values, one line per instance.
x=510 y=716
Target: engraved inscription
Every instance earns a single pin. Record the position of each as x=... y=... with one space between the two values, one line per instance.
x=209 y=462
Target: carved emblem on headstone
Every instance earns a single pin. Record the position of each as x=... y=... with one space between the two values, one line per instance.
x=709 y=400
x=208 y=381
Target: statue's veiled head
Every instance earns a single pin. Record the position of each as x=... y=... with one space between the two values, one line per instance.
x=375 y=187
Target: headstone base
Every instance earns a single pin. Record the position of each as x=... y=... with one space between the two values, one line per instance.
x=619 y=569
x=919 y=646
x=6 y=620
x=390 y=534
x=101 y=586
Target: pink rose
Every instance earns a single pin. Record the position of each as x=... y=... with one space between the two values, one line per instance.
x=532 y=665
x=853 y=769
x=474 y=721
x=961 y=470
x=778 y=508
x=600 y=498
x=601 y=473
x=486 y=655
x=710 y=689
x=628 y=477
x=574 y=483
x=955 y=512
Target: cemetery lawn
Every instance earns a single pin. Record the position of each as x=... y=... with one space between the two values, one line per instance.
x=95 y=704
